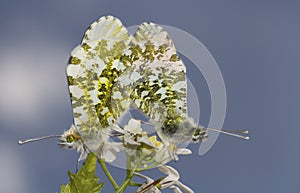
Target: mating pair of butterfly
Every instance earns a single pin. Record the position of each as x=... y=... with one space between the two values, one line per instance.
x=112 y=71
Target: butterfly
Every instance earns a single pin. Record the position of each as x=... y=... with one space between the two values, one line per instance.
x=111 y=71
x=91 y=72
x=157 y=85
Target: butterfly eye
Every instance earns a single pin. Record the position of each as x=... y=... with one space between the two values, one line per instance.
x=70 y=138
x=172 y=129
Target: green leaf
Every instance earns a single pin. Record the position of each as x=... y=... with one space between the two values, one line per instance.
x=85 y=179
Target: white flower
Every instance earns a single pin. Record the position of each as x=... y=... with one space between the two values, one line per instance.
x=106 y=149
x=168 y=151
x=143 y=150
x=133 y=135
x=149 y=186
x=170 y=181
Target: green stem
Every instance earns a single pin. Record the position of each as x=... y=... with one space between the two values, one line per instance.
x=107 y=173
x=127 y=181
x=134 y=184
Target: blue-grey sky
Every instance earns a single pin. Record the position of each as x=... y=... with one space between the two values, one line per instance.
x=255 y=43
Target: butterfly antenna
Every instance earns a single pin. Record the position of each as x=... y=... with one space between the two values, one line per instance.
x=237 y=131
x=21 y=142
x=234 y=133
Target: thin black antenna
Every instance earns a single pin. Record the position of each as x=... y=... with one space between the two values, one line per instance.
x=21 y=142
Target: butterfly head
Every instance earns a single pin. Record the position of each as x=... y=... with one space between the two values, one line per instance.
x=70 y=139
x=182 y=131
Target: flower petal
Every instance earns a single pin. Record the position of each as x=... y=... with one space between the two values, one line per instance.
x=146 y=141
x=149 y=180
x=162 y=155
x=117 y=128
x=183 y=187
x=183 y=151
x=172 y=177
x=171 y=172
x=134 y=126
x=128 y=140
x=149 y=186
x=176 y=189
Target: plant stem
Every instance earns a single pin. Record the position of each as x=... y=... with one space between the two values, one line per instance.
x=134 y=184
x=107 y=173
x=127 y=181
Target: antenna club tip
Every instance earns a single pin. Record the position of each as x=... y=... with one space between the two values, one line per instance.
x=247 y=138
x=20 y=142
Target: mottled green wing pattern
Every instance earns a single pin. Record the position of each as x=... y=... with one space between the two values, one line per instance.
x=106 y=28
x=92 y=72
x=156 y=80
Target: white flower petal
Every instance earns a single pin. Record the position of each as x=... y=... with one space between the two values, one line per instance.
x=170 y=181
x=176 y=189
x=171 y=172
x=116 y=146
x=106 y=149
x=117 y=129
x=184 y=187
x=172 y=177
x=134 y=126
x=162 y=156
x=109 y=156
x=146 y=141
x=129 y=140
x=109 y=151
x=147 y=190
x=147 y=187
x=183 y=151
x=149 y=180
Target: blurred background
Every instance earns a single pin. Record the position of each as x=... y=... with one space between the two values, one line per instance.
x=255 y=43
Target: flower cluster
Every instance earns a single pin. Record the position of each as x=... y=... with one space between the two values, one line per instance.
x=145 y=152
x=170 y=181
x=145 y=148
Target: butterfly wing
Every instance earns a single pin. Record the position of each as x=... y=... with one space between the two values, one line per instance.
x=165 y=77
x=106 y=28
x=156 y=80
x=93 y=69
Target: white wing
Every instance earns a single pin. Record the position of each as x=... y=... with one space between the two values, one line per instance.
x=92 y=71
x=156 y=79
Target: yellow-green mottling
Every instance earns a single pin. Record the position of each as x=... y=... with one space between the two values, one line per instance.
x=74 y=60
x=91 y=97
x=105 y=62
